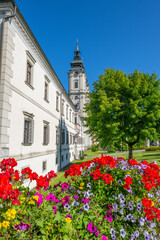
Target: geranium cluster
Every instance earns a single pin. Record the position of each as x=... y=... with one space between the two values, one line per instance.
x=105 y=198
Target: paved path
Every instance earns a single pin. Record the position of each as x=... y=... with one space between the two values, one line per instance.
x=112 y=154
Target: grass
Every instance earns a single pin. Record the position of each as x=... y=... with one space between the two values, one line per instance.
x=139 y=156
x=93 y=154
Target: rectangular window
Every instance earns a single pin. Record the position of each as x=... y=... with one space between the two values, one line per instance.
x=57 y=103
x=75 y=120
x=70 y=138
x=62 y=158
x=28 y=129
x=63 y=107
x=57 y=136
x=29 y=72
x=67 y=136
x=44 y=166
x=56 y=160
x=46 y=133
x=63 y=136
x=46 y=91
x=66 y=111
x=29 y=75
x=66 y=156
x=70 y=115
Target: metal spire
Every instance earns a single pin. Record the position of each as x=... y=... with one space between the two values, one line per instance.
x=77 y=49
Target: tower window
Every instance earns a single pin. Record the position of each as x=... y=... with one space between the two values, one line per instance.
x=76 y=85
x=76 y=97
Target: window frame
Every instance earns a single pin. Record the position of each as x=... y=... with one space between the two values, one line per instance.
x=46 y=132
x=29 y=139
x=30 y=61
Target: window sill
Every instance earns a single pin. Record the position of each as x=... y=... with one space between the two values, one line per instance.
x=45 y=144
x=26 y=144
x=46 y=100
x=29 y=85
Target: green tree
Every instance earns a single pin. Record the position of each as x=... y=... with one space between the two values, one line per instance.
x=124 y=108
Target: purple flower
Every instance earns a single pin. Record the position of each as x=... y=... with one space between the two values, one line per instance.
x=91 y=228
x=68 y=216
x=89 y=185
x=50 y=197
x=136 y=233
x=57 y=185
x=112 y=232
x=130 y=207
x=122 y=233
x=78 y=191
x=67 y=206
x=22 y=226
x=103 y=237
x=86 y=207
x=120 y=182
x=129 y=216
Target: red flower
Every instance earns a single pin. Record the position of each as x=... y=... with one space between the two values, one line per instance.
x=96 y=175
x=146 y=202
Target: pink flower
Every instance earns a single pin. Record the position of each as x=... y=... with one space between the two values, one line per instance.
x=97 y=233
x=109 y=206
x=85 y=200
x=40 y=199
x=91 y=228
x=65 y=185
x=108 y=217
x=50 y=197
x=65 y=200
x=76 y=197
x=54 y=209
x=104 y=237
x=68 y=216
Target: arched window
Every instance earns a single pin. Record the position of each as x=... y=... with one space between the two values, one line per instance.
x=76 y=85
x=76 y=97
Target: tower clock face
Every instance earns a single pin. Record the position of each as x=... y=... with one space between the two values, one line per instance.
x=75 y=74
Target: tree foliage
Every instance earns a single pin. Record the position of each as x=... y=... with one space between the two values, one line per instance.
x=124 y=107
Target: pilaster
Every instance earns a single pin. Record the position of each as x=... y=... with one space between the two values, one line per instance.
x=6 y=75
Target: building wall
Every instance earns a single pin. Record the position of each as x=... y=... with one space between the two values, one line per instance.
x=23 y=98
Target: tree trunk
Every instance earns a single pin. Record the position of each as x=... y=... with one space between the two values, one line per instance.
x=130 y=156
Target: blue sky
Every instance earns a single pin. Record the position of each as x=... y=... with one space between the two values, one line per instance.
x=121 y=34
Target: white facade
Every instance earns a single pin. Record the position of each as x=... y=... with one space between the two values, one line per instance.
x=33 y=102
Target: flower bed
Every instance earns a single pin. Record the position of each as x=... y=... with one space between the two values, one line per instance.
x=105 y=198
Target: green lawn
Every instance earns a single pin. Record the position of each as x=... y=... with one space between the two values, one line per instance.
x=139 y=156
x=92 y=154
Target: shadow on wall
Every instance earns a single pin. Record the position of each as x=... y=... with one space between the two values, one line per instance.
x=64 y=140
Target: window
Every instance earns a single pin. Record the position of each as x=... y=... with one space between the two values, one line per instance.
x=28 y=129
x=29 y=70
x=70 y=138
x=56 y=160
x=44 y=165
x=57 y=136
x=67 y=137
x=70 y=115
x=62 y=158
x=46 y=88
x=66 y=156
x=75 y=120
x=30 y=63
x=76 y=84
x=57 y=103
x=46 y=133
x=63 y=136
x=76 y=97
x=67 y=111
x=63 y=107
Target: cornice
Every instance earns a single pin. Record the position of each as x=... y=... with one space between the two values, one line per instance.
x=8 y=5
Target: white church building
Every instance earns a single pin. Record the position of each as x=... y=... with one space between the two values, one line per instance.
x=41 y=124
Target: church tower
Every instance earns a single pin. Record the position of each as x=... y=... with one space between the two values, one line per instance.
x=78 y=84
